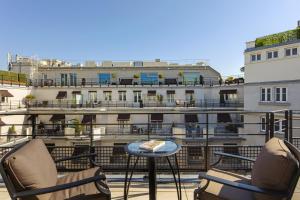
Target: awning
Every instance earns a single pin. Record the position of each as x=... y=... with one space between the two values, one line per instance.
x=88 y=119
x=224 y=117
x=189 y=91
x=126 y=81
x=118 y=149
x=61 y=95
x=157 y=117
x=151 y=92
x=228 y=91
x=170 y=91
x=76 y=92
x=123 y=117
x=31 y=117
x=171 y=81
x=191 y=118
x=2 y=123
x=57 y=117
x=5 y=93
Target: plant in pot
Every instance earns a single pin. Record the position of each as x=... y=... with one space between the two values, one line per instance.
x=28 y=99
x=11 y=131
x=160 y=76
x=180 y=75
x=78 y=127
x=136 y=77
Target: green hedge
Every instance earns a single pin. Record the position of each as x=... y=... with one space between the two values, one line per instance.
x=278 y=38
x=12 y=76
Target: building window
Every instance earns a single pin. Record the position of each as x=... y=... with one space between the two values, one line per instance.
x=137 y=95
x=73 y=79
x=291 y=52
x=107 y=95
x=64 y=79
x=171 y=96
x=265 y=94
x=122 y=95
x=189 y=95
x=149 y=78
x=138 y=63
x=272 y=54
x=255 y=57
x=195 y=155
x=279 y=125
x=191 y=78
x=281 y=94
x=3 y=99
x=104 y=78
x=92 y=96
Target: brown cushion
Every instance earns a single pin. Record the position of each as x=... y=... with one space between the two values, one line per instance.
x=32 y=167
x=217 y=191
x=274 y=166
x=84 y=192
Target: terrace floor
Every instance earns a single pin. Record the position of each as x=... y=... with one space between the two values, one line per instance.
x=139 y=191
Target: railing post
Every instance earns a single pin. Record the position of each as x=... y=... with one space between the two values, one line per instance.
x=206 y=144
x=271 y=125
x=286 y=123
x=148 y=127
x=290 y=126
x=33 y=125
x=92 y=150
x=267 y=131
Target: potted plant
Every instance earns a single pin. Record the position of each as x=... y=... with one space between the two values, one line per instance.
x=78 y=127
x=136 y=76
x=11 y=131
x=28 y=99
x=180 y=75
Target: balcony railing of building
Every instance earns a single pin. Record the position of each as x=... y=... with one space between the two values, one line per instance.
x=199 y=137
x=94 y=82
x=208 y=103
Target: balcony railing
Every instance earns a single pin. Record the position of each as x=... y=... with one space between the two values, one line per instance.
x=199 y=139
x=94 y=82
x=213 y=103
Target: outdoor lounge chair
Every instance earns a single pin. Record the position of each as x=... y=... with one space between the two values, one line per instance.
x=274 y=175
x=30 y=173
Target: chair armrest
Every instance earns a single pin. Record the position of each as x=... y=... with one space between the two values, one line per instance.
x=234 y=156
x=56 y=188
x=75 y=157
x=242 y=186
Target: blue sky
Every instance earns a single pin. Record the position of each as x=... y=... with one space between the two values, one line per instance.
x=215 y=30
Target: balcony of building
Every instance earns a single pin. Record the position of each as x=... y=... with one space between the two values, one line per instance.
x=199 y=137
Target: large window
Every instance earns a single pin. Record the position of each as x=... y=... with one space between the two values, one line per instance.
x=272 y=54
x=149 y=78
x=255 y=57
x=73 y=79
x=171 y=96
x=92 y=96
x=107 y=95
x=279 y=125
x=191 y=78
x=281 y=94
x=291 y=52
x=137 y=95
x=122 y=95
x=104 y=78
x=265 y=94
x=64 y=79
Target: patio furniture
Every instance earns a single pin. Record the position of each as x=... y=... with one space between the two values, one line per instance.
x=169 y=149
x=30 y=173
x=274 y=175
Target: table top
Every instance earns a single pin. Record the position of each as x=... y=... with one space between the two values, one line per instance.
x=168 y=149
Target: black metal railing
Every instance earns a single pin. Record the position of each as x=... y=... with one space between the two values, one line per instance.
x=143 y=103
x=199 y=139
